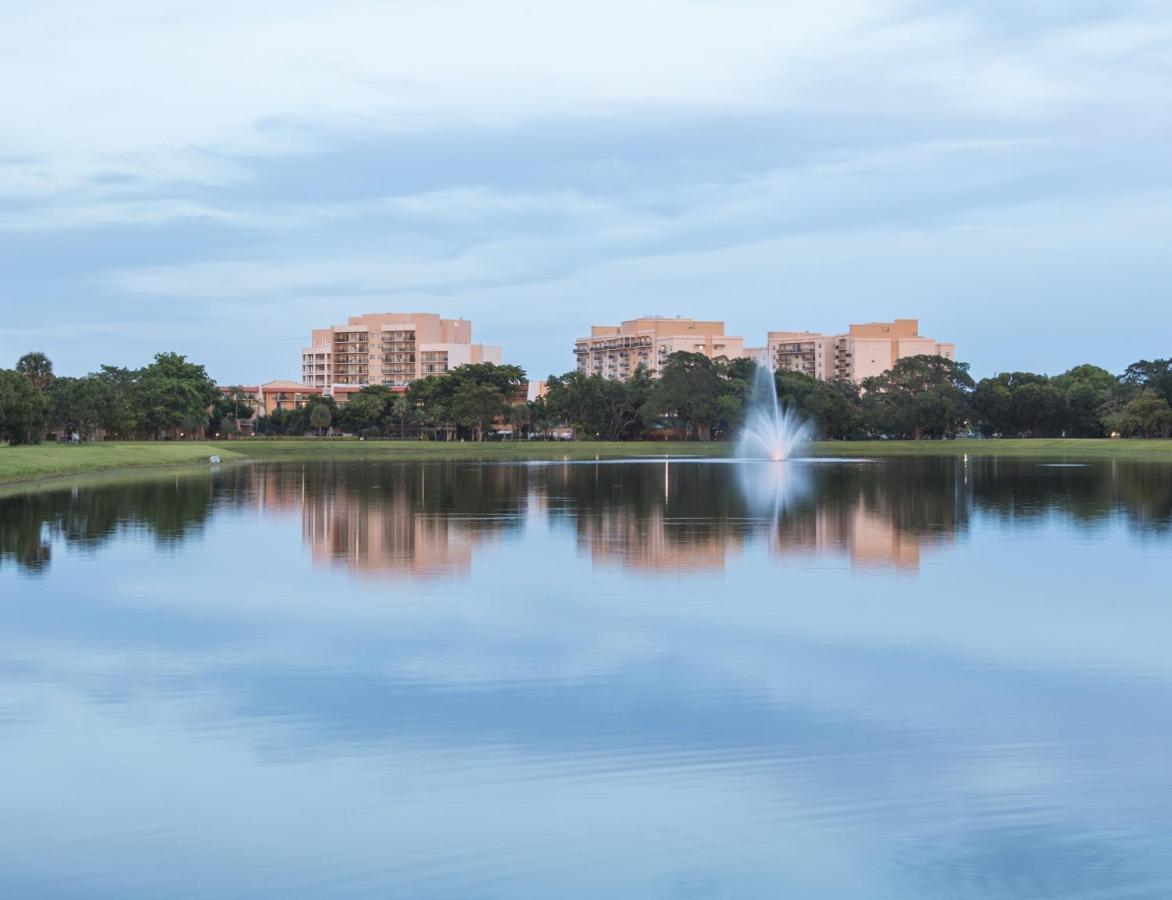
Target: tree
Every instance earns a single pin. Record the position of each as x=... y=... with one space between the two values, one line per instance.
x=232 y=405
x=366 y=411
x=432 y=397
x=918 y=396
x=174 y=395
x=689 y=390
x=1147 y=415
x=118 y=411
x=402 y=410
x=993 y=406
x=506 y=379
x=1151 y=374
x=543 y=419
x=475 y=405
x=320 y=417
x=521 y=416
x=576 y=399
x=75 y=404
x=37 y=368
x=1088 y=392
x=599 y=407
x=1037 y=408
x=23 y=409
x=831 y=406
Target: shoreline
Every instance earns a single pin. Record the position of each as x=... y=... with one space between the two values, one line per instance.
x=30 y=466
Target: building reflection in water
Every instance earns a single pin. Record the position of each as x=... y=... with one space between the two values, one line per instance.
x=693 y=517
x=425 y=520
x=420 y=521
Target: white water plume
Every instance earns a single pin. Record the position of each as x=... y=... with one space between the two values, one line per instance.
x=771 y=430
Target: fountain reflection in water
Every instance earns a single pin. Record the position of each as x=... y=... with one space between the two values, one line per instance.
x=771 y=431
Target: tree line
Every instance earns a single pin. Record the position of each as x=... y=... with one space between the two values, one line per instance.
x=465 y=402
x=168 y=397
x=920 y=396
x=693 y=397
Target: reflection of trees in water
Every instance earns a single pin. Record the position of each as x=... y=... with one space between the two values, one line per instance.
x=650 y=515
x=1023 y=491
x=168 y=510
x=423 y=517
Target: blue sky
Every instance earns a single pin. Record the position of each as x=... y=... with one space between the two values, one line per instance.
x=218 y=178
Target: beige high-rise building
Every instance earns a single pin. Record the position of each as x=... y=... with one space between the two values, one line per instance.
x=390 y=348
x=865 y=350
x=614 y=351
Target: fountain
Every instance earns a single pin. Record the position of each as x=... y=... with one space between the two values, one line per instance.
x=771 y=430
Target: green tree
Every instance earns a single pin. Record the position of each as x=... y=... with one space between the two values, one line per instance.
x=1150 y=374
x=919 y=396
x=689 y=391
x=543 y=419
x=520 y=416
x=993 y=405
x=23 y=409
x=1146 y=415
x=402 y=410
x=506 y=379
x=37 y=368
x=232 y=406
x=174 y=395
x=432 y=398
x=577 y=400
x=475 y=405
x=118 y=410
x=1088 y=392
x=75 y=404
x=366 y=410
x=320 y=417
x=1038 y=408
x=833 y=407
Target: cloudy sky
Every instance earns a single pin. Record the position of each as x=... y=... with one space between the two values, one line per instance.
x=217 y=178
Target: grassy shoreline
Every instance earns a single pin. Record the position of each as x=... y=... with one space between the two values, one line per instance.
x=27 y=465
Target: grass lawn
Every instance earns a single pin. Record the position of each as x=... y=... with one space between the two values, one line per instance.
x=25 y=464
x=51 y=460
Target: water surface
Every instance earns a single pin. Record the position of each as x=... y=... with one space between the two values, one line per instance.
x=901 y=679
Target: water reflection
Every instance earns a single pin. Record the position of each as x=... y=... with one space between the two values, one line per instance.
x=626 y=680
x=427 y=520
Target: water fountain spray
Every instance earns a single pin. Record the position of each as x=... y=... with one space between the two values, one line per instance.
x=771 y=430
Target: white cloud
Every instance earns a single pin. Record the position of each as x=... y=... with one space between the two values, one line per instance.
x=552 y=163
x=170 y=90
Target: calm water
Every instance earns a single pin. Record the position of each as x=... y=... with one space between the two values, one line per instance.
x=899 y=679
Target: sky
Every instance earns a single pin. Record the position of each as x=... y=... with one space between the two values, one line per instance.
x=218 y=178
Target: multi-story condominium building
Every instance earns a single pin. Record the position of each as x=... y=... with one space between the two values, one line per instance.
x=614 y=351
x=390 y=348
x=865 y=350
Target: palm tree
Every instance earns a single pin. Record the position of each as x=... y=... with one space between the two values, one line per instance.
x=320 y=418
x=402 y=409
x=37 y=368
x=520 y=416
x=240 y=402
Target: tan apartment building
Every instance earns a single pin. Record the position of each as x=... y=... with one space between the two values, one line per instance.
x=392 y=349
x=865 y=350
x=265 y=399
x=615 y=351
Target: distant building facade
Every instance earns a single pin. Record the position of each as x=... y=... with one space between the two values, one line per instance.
x=865 y=350
x=615 y=351
x=391 y=349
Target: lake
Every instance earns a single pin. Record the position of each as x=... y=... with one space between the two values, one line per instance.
x=919 y=678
